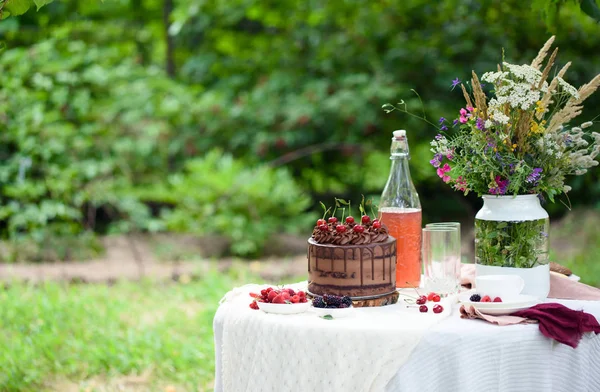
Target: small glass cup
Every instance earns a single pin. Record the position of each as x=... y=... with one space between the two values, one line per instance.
x=441 y=259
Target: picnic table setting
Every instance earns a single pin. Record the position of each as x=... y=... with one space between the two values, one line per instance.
x=391 y=305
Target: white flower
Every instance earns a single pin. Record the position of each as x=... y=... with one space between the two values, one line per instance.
x=493 y=77
x=572 y=91
x=587 y=124
x=566 y=188
x=525 y=72
x=488 y=123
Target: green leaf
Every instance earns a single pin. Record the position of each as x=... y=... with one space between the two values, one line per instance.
x=17 y=7
x=590 y=8
x=327 y=317
x=41 y=3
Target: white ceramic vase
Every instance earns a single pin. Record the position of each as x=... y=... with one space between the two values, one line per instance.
x=511 y=238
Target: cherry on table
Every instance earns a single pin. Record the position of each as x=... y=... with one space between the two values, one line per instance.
x=436 y=298
x=438 y=308
x=423 y=309
x=421 y=300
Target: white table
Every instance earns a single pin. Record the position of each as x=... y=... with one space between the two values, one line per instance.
x=473 y=356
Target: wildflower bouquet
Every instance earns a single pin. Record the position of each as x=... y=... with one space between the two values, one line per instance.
x=514 y=140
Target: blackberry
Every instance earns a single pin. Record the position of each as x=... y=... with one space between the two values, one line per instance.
x=333 y=300
x=344 y=305
x=318 y=302
x=475 y=298
x=347 y=301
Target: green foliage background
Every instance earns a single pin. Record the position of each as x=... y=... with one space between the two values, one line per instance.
x=133 y=115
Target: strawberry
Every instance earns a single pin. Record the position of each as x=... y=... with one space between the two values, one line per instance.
x=272 y=295
x=279 y=299
x=286 y=295
x=253 y=305
x=295 y=299
x=486 y=298
x=303 y=300
x=301 y=293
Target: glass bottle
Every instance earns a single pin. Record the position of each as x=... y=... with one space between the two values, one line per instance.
x=400 y=211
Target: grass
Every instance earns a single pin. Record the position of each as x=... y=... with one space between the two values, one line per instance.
x=146 y=336
x=575 y=243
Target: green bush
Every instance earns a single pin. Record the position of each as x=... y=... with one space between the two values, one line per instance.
x=221 y=195
x=80 y=123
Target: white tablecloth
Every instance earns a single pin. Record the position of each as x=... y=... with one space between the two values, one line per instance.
x=454 y=355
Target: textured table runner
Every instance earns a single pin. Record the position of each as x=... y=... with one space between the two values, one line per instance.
x=269 y=352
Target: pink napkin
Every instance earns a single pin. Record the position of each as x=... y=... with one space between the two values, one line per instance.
x=556 y=321
x=560 y=287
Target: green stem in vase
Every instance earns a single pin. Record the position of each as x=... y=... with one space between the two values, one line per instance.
x=519 y=244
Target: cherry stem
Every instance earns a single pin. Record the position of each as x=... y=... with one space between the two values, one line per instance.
x=414 y=288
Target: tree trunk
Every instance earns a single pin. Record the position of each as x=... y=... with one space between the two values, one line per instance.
x=170 y=44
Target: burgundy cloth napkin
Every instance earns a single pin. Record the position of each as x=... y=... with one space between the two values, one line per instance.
x=560 y=323
x=556 y=321
x=560 y=286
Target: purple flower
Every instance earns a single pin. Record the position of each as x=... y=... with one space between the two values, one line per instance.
x=454 y=122
x=480 y=124
x=500 y=188
x=455 y=83
x=438 y=137
x=437 y=160
x=442 y=120
x=535 y=175
x=444 y=127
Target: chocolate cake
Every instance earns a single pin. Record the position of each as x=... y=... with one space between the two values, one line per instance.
x=357 y=262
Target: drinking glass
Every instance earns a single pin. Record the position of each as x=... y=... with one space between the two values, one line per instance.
x=441 y=259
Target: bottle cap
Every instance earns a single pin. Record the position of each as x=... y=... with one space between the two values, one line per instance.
x=399 y=134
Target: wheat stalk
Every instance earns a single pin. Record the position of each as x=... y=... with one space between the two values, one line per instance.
x=522 y=127
x=537 y=61
x=547 y=68
x=480 y=98
x=545 y=101
x=466 y=95
x=574 y=105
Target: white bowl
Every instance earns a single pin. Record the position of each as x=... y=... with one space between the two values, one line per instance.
x=283 y=308
x=333 y=312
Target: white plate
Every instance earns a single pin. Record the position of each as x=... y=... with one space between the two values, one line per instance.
x=515 y=304
x=335 y=313
x=283 y=308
